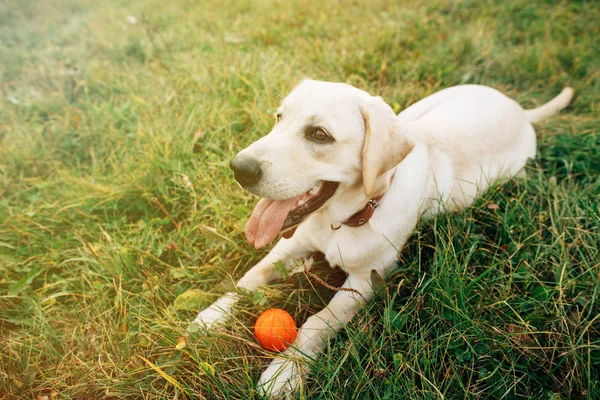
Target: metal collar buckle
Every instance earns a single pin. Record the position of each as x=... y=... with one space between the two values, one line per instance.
x=373 y=203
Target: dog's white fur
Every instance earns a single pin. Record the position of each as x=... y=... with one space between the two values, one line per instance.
x=443 y=150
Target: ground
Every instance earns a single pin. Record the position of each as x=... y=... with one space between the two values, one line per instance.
x=119 y=218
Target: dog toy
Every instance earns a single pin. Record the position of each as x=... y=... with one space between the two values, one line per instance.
x=275 y=329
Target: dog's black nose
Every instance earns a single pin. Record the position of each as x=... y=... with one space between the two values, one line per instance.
x=246 y=170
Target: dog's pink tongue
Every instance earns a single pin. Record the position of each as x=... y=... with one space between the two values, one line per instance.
x=267 y=220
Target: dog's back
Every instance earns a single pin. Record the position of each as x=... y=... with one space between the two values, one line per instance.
x=479 y=136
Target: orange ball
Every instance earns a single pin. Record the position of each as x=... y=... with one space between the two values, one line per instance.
x=275 y=329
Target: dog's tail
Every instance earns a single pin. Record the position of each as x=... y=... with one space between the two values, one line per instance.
x=552 y=107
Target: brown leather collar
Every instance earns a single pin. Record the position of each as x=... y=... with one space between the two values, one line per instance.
x=363 y=216
x=357 y=219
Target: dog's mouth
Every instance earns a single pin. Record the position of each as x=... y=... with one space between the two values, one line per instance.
x=273 y=216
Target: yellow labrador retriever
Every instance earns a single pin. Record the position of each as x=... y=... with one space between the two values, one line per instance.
x=340 y=173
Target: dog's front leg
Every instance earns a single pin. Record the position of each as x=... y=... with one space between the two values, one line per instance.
x=262 y=273
x=285 y=372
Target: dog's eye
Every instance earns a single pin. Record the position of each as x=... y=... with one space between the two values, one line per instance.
x=319 y=135
x=277 y=117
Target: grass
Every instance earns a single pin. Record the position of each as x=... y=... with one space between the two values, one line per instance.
x=120 y=219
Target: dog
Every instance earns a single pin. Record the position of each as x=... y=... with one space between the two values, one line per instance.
x=340 y=173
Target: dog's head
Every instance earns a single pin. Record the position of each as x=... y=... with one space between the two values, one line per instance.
x=327 y=137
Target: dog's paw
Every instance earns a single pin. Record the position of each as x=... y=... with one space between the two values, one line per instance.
x=216 y=314
x=281 y=379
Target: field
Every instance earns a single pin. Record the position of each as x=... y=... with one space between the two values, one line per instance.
x=120 y=219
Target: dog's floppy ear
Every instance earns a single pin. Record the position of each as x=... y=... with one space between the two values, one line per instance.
x=385 y=144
